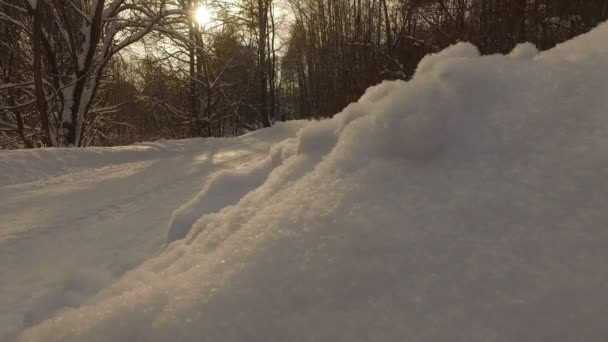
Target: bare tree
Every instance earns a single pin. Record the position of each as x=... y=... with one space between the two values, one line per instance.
x=71 y=42
x=225 y=78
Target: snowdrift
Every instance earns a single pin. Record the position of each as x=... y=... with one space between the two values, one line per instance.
x=465 y=205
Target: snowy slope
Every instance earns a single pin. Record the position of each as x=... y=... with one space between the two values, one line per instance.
x=72 y=220
x=465 y=205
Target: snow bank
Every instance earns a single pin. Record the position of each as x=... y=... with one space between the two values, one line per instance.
x=465 y=205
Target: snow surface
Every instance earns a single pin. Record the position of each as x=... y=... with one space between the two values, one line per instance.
x=467 y=204
x=73 y=220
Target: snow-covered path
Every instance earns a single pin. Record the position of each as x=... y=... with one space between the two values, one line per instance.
x=85 y=227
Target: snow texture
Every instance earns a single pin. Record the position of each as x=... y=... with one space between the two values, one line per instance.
x=467 y=204
x=73 y=220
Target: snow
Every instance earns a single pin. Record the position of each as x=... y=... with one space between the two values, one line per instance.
x=464 y=205
x=73 y=220
x=524 y=51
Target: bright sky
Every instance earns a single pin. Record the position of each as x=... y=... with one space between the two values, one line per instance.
x=204 y=15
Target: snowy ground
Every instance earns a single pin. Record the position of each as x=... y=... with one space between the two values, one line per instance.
x=72 y=220
x=468 y=204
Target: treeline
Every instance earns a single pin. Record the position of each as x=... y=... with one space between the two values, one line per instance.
x=107 y=72
x=337 y=48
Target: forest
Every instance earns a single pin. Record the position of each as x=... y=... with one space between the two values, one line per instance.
x=114 y=72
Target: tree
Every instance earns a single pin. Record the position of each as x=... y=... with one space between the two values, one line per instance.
x=59 y=59
x=71 y=42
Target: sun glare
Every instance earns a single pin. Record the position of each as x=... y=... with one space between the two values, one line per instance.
x=203 y=16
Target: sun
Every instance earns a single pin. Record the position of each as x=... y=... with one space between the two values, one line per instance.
x=203 y=15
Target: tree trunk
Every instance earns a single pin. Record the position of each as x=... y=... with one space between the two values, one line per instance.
x=262 y=26
x=41 y=104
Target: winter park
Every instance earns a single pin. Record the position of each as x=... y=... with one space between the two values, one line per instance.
x=303 y=170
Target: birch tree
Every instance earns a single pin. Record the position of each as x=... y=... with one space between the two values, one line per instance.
x=71 y=42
